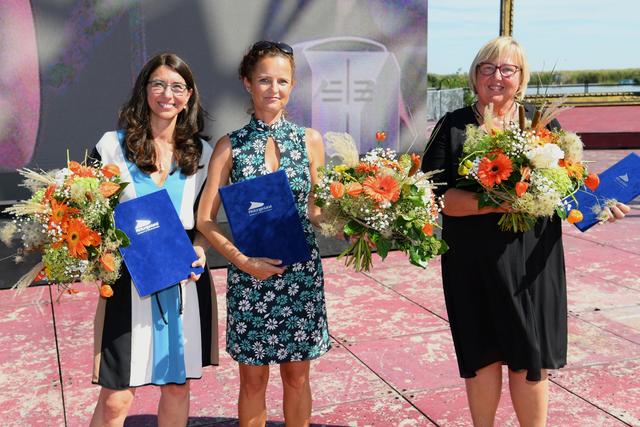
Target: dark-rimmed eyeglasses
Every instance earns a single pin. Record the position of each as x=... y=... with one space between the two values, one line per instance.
x=489 y=69
x=160 y=86
x=266 y=44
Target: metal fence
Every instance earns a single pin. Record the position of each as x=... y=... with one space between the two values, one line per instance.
x=442 y=101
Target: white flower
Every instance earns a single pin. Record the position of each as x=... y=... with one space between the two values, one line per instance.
x=546 y=156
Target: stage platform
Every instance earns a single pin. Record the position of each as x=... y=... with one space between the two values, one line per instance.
x=604 y=127
x=392 y=363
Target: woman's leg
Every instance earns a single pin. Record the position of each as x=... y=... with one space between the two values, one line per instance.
x=252 y=407
x=112 y=407
x=297 y=393
x=173 y=409
x=530 y=398
x=483 y=393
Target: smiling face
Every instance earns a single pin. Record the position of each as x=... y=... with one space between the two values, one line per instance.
x=164 y=104
x=270 y=85
x=496 y=88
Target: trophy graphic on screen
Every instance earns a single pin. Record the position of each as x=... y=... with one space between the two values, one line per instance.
x=348 y=84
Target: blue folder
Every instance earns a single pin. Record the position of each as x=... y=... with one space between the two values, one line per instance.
x=621 y=182
x=160 y=254
x=264 y=220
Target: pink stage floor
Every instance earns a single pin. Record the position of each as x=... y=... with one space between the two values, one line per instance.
x=392 y=363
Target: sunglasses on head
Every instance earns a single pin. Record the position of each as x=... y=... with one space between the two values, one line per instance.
x=266 y=44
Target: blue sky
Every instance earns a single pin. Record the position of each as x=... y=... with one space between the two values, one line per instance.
x=570 y=34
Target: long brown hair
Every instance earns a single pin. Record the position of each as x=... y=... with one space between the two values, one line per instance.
x=134 y=119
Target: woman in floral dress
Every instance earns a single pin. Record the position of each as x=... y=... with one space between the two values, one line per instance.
x=275 y=314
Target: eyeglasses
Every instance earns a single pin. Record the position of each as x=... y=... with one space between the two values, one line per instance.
x=159 y=86
x=266 y=44
x=506 y=70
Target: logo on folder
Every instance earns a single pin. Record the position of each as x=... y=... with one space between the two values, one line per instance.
x=623 y=179
x=145 y=225
x=256 y=208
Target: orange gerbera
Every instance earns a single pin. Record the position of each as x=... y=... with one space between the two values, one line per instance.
x=574 y=170
x=381 y=188
x=366 y=168
x=492 y=171
x=78 y=236
x=80 y=170
x=60 y=212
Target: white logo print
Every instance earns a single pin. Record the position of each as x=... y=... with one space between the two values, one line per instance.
x=144 y=225
x=623 y=179
x=256 y=208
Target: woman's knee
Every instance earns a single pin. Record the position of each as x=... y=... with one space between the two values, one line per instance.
x=295 y=376
x=115 y=404
x=254 y=381
x=175 y=391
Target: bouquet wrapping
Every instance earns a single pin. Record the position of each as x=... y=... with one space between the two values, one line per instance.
x=69 y=220
x=381 y=201
x=533 y=170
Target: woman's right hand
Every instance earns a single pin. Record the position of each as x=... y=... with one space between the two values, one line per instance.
x=261 y=268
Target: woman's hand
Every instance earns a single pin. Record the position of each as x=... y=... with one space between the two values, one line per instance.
x=261 y=268
x=200 y=262
x=617 y=211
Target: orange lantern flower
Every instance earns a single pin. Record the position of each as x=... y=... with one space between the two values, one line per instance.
x=574 y=216
x=592 y=181
x=337 y=189
x=106 y=291
x=110 y=170
x=354 y=189
x=521 y=188
x=108 y=189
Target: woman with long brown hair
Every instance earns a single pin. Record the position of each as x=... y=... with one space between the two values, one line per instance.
x=166 y=338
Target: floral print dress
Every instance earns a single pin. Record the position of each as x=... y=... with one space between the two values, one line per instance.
x=283 y=318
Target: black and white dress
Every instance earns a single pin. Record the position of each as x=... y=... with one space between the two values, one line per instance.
x=151 y=340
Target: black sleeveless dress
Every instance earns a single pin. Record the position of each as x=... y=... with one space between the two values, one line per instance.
x=505 y=292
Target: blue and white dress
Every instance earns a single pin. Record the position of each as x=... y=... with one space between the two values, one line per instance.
x=283 y=318
x=167 y=337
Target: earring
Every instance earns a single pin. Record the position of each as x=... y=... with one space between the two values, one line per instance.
x=248 y=90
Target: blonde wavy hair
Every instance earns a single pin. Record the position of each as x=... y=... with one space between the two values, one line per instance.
x=495 y=49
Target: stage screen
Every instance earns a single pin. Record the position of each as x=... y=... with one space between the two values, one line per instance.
x=68 y=66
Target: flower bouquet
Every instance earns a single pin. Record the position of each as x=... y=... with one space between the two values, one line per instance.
x=527 y=166
x=69 y=220
x=380 y=201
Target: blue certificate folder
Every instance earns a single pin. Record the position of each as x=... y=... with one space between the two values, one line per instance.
x=160 y=254
x=621 y=182
x=264 y=220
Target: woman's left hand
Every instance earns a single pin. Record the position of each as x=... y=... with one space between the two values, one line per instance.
x=200 y=262
x=617 y=211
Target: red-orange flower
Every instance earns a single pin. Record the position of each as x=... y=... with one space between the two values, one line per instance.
x=493 y=171
x=108 y=189
x=106 y=291
x=381 y=188
x=80 y=170
x=110 y=170
x=354 y=189
x=108 y=262
x=78 y=236
x=415 y=164
x=428 y=229
x=592 y=181
x=60 y=212
x=337 y=189
x=521 y=188
x=366 y=168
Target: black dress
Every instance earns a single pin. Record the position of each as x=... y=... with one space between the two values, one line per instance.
x=505 y=292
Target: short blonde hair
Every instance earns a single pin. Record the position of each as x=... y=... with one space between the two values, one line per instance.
x=493 y=50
